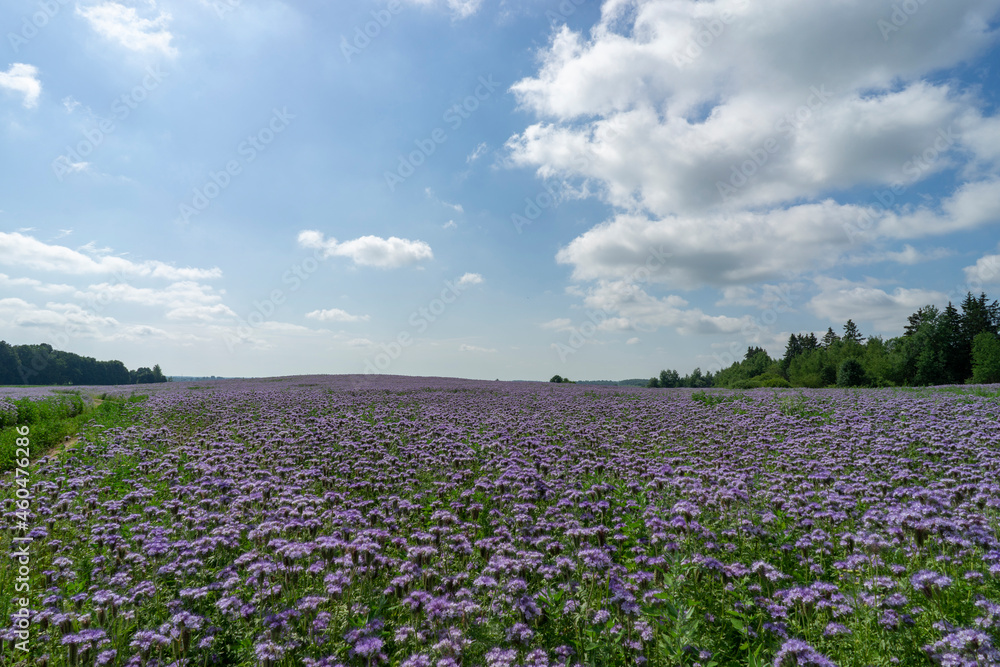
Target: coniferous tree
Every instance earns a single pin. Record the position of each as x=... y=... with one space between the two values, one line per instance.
x=851 y=332
x=829 y=338
x=957 y=368
x=922 y=315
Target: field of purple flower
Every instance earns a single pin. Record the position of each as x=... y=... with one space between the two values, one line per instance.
x=408 y=521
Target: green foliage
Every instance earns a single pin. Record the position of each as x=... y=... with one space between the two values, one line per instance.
x=986 y=358
x=937 y=347
x=52 y=419
x=851 y=373
x=42 y=365
x=714 y=398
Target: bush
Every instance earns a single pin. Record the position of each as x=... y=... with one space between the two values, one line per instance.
x=851 y=374
x=775 y=382
x=744 y=384
x=8 y=413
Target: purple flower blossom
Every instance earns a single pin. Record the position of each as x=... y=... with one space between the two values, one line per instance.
x=797 y=653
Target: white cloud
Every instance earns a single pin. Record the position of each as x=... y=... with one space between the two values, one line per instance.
x=558 y=324
x=628 y=306
x=455 y=207
x=26 y=251
x=470 y=279
x=38 y=285
x=986 y=270
x=23 y=79
x=56 y=317
x=449 y=225
x=123 y=25
x=632 y=341
x=184 y=300
x=971 y=206
x=360 y=342
x=472 y=348
x=479 y=151
x=841 y=300
x=143 y=333
x=374 y=251
x=70 y=103
x=336 y=315
x=725 y=131
x=720 y=249
x=908 y=256
x=459 y=9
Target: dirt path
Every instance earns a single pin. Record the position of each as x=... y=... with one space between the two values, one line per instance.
x=69 y=441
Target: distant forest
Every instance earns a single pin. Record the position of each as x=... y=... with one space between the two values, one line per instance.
x=40 y=364
x=950 y=346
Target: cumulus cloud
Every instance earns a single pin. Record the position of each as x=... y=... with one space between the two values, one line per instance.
x=718 y=250
x=336 y=315
x=390 y=253
x=985 y=271
x=47 y=288
x=839 y=300
x=183 y=300
x=25 y=251
x=23 y=79
x=470 y=279
x=56 y=317
x=728 y=132
x=637 y=309
x=123 y=25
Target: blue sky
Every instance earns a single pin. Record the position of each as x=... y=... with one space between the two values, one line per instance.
x=488 y=189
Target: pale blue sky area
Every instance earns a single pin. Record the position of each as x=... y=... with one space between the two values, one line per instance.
x=484 y=188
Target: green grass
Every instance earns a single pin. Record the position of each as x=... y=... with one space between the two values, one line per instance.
x=51 y=420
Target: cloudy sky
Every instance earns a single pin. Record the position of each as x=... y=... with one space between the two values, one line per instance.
x=488 y=188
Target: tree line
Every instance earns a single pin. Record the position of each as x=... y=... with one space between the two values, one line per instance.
x=40 y=364
x=950 y=346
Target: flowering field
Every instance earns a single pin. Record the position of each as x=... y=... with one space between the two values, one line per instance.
x=404 y=521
